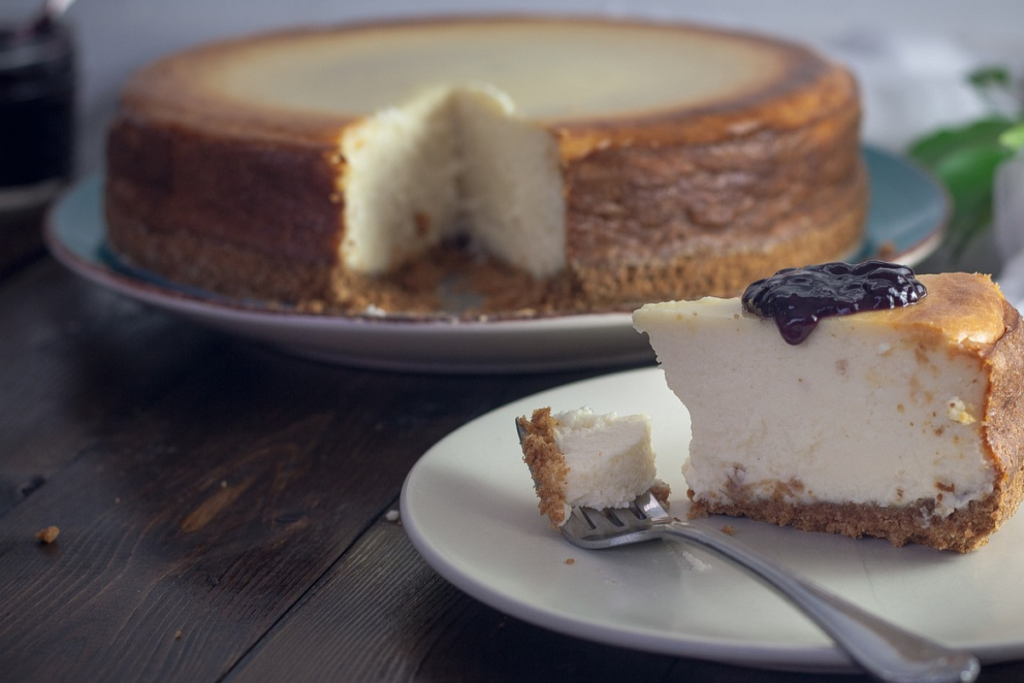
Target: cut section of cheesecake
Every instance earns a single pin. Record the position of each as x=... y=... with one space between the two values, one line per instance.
x=455 y=160
x=906 y=424
x=513 y=201
x=400 y=183
x=585 y=164
x=581 y=459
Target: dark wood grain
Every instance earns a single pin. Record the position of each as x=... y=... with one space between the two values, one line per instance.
x=202 y=496
x=210 y=514
x=76 y=363
x=221 y=512
x=381 y=614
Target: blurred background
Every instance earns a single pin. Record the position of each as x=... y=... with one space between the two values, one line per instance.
x=912 y=57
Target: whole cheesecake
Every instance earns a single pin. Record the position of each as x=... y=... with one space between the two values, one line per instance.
x=905 y=424
x=555 y=164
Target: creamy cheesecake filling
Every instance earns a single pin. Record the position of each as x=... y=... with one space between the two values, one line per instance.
x=860 y=412
x=610 y=458
x=400 y=183
x=455 y=160
x=512 y=189
x=580 y=459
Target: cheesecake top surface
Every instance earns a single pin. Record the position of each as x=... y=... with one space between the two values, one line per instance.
x=561 y=72
x=965 y=309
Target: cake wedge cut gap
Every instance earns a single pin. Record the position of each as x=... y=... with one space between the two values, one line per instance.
x=454 y=162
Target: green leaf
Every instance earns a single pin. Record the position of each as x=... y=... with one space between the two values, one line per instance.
x=932 y=149
x=965 y=160
x=970 y=170
x=968 y=175
x=1013 y=138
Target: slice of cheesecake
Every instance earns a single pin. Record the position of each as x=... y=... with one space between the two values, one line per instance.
x=906 y=424
x=581 y=459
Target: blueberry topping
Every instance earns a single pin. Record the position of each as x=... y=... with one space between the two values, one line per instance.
x=797 y=298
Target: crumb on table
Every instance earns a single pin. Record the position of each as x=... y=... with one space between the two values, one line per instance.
x=729 y=529
x=47 y=535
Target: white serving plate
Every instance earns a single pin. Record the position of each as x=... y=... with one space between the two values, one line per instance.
x=469 y=508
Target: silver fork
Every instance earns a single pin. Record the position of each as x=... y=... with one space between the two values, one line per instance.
x=885 y=650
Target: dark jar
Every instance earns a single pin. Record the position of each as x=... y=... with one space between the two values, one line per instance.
x=37 y=105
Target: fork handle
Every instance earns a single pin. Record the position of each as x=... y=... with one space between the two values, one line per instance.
x=885 y=650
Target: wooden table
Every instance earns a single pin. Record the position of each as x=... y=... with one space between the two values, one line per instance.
x=223 y=513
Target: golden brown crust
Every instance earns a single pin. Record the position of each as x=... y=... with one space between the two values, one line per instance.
x=661 y=492
x=1004 y=420
x=708 y=222
x=964 y=530
x=813 y=91
x=660 y=202
x=660 y=205
x=493 y=288
x=214 y=265
x=965 y=310
x=277 y=200
x=804 y=87
x=546 y=462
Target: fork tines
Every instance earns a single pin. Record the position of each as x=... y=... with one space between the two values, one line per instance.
x=617 y=517
x=591 y=527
